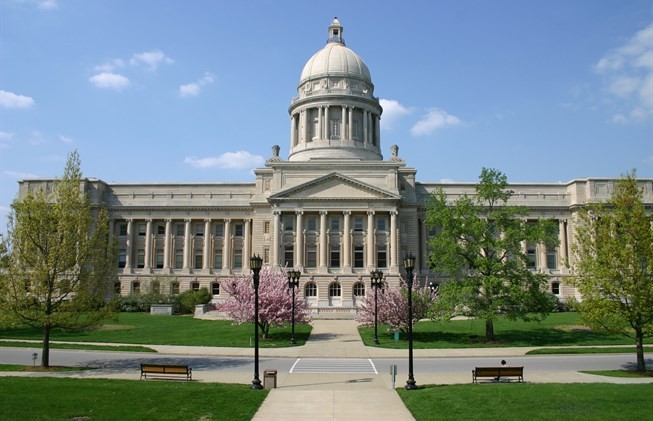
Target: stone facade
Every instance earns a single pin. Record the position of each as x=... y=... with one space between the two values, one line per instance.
x=335 y=209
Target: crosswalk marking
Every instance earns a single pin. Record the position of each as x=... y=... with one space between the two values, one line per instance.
x=333 y=366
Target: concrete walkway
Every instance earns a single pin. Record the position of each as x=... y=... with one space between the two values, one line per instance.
x=323 y=396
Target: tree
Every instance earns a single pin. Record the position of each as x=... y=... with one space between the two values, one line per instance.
x=393 y=306
x=275 y=300
x=478 y=246
x=60 y=263
x=614 y=265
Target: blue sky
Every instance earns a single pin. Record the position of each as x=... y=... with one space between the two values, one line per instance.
x=198 y=91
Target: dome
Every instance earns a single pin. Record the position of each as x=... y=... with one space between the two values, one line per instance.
x=335 y=59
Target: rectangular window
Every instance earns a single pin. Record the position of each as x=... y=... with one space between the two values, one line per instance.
x=140 y=259
x=179 y=259
x=238 y=230
x=159 y=258
x=334 y=128
x=335 y=224
x=238 y=259
x=174 y=288
x=215 y=288
x=266 y=255
x=358 y=223
x=334 y=258
x=122 y=229
x=381 y=256
x=217 y=259
x=179 y=230
x=160 y=229
x=199 y=230
x=311 y=257
x=359 y=256
x=198 y=260
x=288 y=222
x=551 y=259
x=288 y=256
x=312 y=223
x=356 y=129
x=266 y=227
x=122 y=258
x=219 y=229
x=555 y=288
x=141 y=230
x=381 y=224
x=531 y=256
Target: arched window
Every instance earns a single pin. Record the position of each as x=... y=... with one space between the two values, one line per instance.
x=215 y=288
x=359 y=289
x=136 y=288
x=195 y=286
x=334 y=290
x=310 y=289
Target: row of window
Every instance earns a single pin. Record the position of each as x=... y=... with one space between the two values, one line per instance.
x=180 y=229
x=358 y=223
x=334 y=256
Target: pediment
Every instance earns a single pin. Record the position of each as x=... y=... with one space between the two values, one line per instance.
x=334 y=187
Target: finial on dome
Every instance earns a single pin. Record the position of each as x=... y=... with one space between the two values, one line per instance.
x=335 y=32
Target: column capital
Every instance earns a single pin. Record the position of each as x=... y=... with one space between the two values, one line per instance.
x=188 y=220
x=347 y=212
x=299 y=212
x=207 y=219
x=323 y=212
x=371 y=212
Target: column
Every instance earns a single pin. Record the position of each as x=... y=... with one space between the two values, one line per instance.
x=326 y=123
x=293 y=132
x=129 y=246
x=370 y=240
x=319 y=123
x=299 y=240
x=247 y=244
x=346 y=240
x=343 y=123
x=187 y=245
x=542 y=256
x=111 y=228
x=323 y=241
x=276 y=237
x=365 y=118
x=206 y=252
x=226 y=246
x=563 y=242
x=377 y=131
x=166 y=246
x=306 y=115
x=393 y=239
x=148 y=246
x=351 y=119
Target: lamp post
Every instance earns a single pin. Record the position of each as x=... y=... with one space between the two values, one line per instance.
x=293 y=282
x=255 y=263
x=377 y=282
x=409 y=265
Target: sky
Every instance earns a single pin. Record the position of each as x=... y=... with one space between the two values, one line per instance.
x=198 y=91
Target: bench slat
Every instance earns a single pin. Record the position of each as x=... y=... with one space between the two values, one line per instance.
x=498 y=372
x=162 y=370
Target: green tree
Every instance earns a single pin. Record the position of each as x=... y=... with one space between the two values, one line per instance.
x=61 y=264
x=613 y=266
x=478 y=247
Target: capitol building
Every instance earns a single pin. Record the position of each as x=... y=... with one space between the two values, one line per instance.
x=335 y=209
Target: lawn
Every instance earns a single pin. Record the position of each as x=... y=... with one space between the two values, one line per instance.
x=95 y=399
x=142 y=328
x=531 y=401
x=559 y=329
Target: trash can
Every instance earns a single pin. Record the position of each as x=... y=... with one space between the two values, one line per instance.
x=270 y=379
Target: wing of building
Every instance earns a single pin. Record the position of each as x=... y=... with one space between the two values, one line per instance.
x=335 y=209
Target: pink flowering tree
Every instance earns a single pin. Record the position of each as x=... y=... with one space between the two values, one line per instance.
x=275 y=300
x=393 y=306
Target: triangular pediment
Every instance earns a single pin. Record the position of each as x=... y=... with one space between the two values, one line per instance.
x=334 y=186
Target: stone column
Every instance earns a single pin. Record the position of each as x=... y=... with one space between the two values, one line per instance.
x=343 y=123
x=563 y=242
x=206 y=252
x=148 y=246
x=299 y=240
x=323 y=241
x=320 y=121
x=129 y=246
x=377 y=131
x=305 y=115
x=370 y=241
x=393 y=240
x=226 y=246
x=112 y=227
x=346 y=240
x=247 y=245
x=326 y=123
x=365 y=128
x=166 y=246
x=187 y=245
x=293 y=132
x=350 y=124
x=276 y=237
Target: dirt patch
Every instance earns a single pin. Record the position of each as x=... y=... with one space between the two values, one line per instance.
x=574 y=328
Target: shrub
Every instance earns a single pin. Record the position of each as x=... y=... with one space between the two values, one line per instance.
x=190 y=298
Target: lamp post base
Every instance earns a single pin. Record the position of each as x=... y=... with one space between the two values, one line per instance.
x=256 y=384
x=376 y=341
x=410 y=385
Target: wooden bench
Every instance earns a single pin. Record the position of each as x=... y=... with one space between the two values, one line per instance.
x=497 y=373
x=166 y=370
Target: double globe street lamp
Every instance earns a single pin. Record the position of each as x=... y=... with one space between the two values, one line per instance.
x=409 y=265
x=293 y=282
x=377 y=282
x=255 y=263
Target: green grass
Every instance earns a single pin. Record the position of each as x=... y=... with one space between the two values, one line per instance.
x=620 y=373
x=60 y=399
x=559 y=329
x=37 y=344
x=51 y=369
x=142 y=328
x=11 y=367
x=591 y=350
x=531 y=401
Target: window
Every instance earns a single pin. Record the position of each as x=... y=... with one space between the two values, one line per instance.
x=219 y=229
x=122 y=229
x=179 y=230
x=356 y=129
x=310 y=289
x=381 y=224
x=122 y=258
x=155 y=287
x=238 y=259
x=195 y=286
x=140 y=259
x=531 y=256
x=215 y=288
x=199 y=230
x=266 y=227
x=555 y=288
x=288 y=223
x=266 y=255
x=551 y=259
x=335 y=256
x=381 y=256
x=359 y=256
x=334 y=290
x=217 y=259
x=311 y=223
x=160 y=229
x=159 y=258
x=198 y=260
x=174 y=288
x=359 y=289
x=358 y=223
x=311 y=257
x=136 y=288
x=288 y=256
x=141 y=230
x=238 y=229
x=334 y=129
x=179 y=259
x=335 y=224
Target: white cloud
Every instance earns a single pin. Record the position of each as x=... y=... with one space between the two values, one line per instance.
x=194 y=88
x=151 y=58
x=47 y=4
x=628 y=77
x=20 y=175
x=12 y=100
x=107 y=80
x=110 y=65
x=392 y=111
x=65 y=139
x=435 y=119
x=228 y=160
